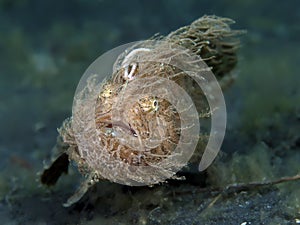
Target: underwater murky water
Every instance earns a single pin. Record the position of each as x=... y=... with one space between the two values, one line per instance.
x=46 y=46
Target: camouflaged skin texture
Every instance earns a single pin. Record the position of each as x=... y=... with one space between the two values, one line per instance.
x=214 y=41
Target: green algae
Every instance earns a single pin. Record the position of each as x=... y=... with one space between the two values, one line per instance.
x=243 y=168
